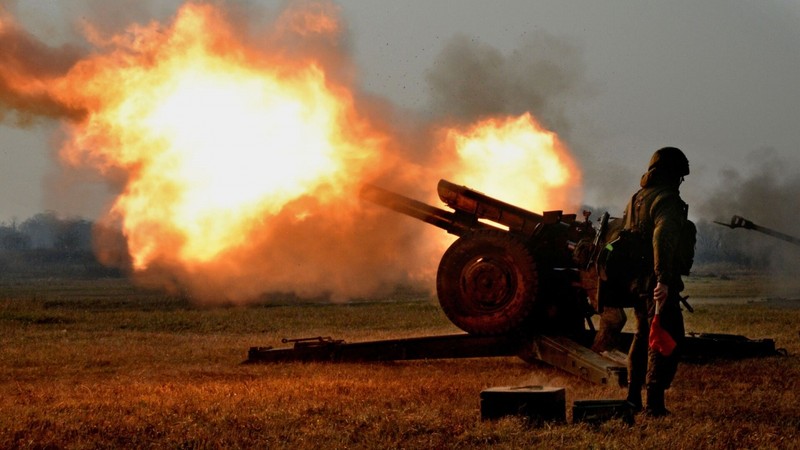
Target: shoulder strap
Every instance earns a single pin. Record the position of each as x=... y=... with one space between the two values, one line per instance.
x=630 y=221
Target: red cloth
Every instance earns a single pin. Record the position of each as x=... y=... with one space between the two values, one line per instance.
x=660 y=340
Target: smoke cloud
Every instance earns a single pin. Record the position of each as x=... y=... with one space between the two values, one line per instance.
x=766 y=193
x=768 y=190
x=25 y=62
x=470 y=80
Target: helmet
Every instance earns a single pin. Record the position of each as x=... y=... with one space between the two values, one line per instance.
x=670 y=160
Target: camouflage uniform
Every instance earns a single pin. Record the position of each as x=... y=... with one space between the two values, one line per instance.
x=657 y=213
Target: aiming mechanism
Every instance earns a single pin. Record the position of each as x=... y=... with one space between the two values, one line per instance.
x=516 y=282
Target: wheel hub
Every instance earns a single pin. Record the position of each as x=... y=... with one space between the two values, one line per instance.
x=487 y=283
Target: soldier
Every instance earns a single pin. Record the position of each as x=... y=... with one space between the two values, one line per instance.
x=657 y=214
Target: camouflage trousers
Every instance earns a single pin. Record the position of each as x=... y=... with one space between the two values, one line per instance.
x=645 y=365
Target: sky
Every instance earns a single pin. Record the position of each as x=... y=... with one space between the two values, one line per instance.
x=615 y=79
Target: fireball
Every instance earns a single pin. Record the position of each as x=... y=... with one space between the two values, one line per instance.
x=517 y=160
x=216 y=137
x=238 y=161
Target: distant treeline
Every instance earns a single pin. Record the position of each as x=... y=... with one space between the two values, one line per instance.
x=47 y=231
x=46 y=243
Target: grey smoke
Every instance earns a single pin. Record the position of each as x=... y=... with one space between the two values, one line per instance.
x=766 y=192
x=470 y=80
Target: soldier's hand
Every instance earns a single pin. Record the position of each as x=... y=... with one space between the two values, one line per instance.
x=660 y=293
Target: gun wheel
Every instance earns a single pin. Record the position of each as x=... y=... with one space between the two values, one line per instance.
x=487 y=282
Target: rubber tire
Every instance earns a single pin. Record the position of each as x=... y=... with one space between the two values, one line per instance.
x=487 y=282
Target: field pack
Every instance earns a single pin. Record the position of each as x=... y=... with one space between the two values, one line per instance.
x=620 y=263
x=625 y=257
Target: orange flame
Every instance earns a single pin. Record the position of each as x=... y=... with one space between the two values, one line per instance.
x=214 y=138
x=515 y=159
x=241 y=164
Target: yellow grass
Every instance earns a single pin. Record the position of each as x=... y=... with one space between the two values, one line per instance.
x=101 y=364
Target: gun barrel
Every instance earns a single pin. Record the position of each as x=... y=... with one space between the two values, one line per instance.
x=446 y=220
x=741 y=222
x=466 y=200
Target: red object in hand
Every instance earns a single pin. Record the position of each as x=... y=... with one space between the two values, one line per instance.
x=660 y=340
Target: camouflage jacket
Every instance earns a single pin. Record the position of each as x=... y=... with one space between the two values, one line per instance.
x=657 y=213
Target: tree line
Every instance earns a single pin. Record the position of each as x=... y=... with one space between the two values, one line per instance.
x=46 y=239
x=48 y=245
x=46 y=231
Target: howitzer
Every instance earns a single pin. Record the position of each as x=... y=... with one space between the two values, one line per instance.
x=741 y=222
x=516 y=281
x=510 y=269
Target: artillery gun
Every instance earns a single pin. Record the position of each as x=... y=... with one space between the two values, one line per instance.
x=517 y=282
x=741 y=222
x=510 y=270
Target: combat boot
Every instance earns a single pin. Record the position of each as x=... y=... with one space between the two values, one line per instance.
x=655 y=402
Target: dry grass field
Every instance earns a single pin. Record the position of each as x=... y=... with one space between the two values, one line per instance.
x=101 y=364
